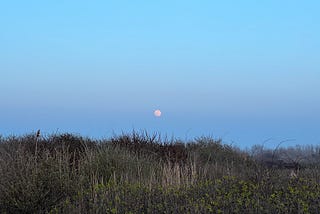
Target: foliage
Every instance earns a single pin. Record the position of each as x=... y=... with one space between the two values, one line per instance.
x=139 y=173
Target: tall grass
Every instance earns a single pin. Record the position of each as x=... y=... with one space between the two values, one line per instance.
x=141 y=173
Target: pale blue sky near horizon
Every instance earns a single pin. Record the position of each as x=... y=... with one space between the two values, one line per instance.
x=245 y=71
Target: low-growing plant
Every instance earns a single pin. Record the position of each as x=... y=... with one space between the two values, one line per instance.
x=141 y=173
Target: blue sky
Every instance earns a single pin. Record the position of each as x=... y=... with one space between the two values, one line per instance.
x=245 y=70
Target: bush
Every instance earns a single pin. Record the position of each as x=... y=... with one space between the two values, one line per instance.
x=139 y=173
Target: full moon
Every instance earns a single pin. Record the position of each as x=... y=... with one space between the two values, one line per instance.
x=157 y=113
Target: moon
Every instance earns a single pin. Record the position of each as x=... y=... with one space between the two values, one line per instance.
x=157 y=113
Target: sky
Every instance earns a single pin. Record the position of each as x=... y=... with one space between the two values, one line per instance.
x=244 y=71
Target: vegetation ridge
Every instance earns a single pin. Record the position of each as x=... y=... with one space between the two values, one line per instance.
x=142 y=173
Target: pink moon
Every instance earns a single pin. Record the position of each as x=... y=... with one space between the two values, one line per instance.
x=157 y=113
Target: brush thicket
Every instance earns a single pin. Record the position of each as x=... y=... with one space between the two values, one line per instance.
x=139 y=173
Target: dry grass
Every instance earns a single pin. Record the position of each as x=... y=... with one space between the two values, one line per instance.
x=139 y=173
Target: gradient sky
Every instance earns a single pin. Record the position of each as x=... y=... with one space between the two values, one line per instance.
x=245 y=71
